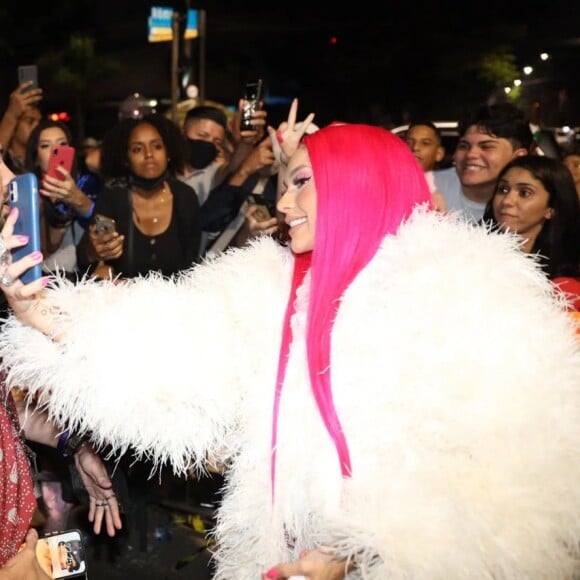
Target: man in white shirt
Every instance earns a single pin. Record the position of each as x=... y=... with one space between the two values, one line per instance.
x=490 y=137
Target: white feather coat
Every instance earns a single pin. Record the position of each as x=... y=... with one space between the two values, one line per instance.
x=455 y=373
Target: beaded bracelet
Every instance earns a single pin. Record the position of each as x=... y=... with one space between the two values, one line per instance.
x=68 y=444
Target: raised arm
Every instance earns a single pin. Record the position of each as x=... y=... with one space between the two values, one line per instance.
x=156 y=365
x=20 y=99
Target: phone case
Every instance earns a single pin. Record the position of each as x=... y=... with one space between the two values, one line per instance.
x=252 y=98
x=23 y=194
x=62 y=554
x=104 y=224
x=60 y=156
x=28 y=72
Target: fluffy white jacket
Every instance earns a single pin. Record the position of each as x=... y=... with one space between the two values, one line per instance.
x=455 y=373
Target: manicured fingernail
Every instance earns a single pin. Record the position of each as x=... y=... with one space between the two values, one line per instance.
x=13 y=211
x=272 y=573
x=23 y=238
x=45 y=280
x=279 y=137
x=36 y=256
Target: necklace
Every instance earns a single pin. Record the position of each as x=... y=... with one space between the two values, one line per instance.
x=151 y=206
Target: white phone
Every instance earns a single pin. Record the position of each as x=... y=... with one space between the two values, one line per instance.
x=62 y=554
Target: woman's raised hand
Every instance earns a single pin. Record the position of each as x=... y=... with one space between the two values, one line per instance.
x=23 y=299
x=286 y=139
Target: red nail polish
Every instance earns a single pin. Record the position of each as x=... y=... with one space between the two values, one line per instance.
x=272 y=573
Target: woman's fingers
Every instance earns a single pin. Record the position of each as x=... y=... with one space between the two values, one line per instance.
x=292 y=113
x=8 y=228
x=107 y=511
x=16 y=269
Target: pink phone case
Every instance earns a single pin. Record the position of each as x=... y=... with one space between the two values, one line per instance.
x=60 y=156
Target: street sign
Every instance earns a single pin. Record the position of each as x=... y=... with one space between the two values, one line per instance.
x=160 y=24
x=191 y=29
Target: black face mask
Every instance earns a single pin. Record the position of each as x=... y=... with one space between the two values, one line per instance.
x=200 y=153
x=147 y=184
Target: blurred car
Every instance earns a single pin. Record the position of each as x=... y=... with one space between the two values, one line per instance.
x=567 y=137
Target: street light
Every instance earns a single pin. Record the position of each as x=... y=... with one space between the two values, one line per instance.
x=544 y=56
x=528 y=70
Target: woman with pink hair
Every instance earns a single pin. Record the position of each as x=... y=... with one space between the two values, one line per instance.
x=404 y=406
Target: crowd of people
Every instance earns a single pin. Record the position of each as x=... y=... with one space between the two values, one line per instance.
x=413 y=409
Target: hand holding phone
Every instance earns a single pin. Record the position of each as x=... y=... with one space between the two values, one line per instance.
x=262 y=212
x=23 y=194
x=104 y=224
x=252 y=102
x=28 y=72
x=62 y=554
x=60 y=156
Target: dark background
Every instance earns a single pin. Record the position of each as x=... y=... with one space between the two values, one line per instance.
x=382 y=62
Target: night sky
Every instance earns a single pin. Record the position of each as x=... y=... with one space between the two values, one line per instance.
x=376 y=62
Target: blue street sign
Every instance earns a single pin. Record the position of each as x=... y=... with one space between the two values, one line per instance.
x=160 y=24
x=191 y=30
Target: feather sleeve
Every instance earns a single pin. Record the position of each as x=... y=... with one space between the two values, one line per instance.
x=153 y=365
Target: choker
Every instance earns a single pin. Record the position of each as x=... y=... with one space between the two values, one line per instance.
x=147 y=184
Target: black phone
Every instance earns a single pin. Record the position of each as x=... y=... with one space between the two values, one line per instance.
x=252 y=102
x=28 y=72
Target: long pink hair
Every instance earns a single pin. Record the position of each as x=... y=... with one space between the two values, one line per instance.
x=367 y=183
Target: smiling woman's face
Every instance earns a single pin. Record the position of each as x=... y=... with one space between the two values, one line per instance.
x=298 y=202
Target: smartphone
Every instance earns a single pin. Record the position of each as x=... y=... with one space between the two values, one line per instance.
x=60 y=156
x=23 y=194
x=62 y=554
x=104 y=224
x=252 y=102
x=263 y=212
x=28 y=72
